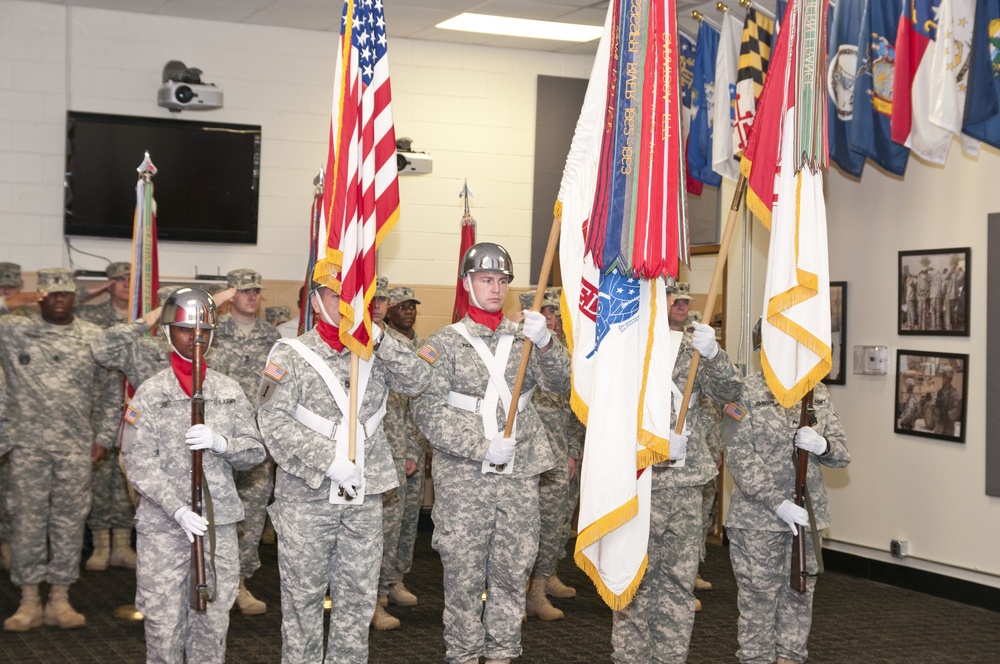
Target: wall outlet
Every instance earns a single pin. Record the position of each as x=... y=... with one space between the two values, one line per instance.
x=899 y=548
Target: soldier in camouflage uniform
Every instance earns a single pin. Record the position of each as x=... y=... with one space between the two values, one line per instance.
x=656 y=625
x=242 y=343
x=911 y=411
x=157 y=443
x=61 y=419
x=327 y=542
x=486 y=486
x=948 y=404
x=759 y=432
x=111 y=511
x=277 y=315
x=554 y=508
x=401 y=506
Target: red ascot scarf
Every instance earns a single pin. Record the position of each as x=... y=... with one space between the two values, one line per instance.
x=330 y=334
x=184 y=369
x=483 y=317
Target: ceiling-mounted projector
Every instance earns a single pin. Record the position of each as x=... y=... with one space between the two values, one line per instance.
x=183 y=90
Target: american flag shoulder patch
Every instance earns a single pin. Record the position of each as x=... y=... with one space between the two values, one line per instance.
x=734 y=411
x=274 y=371
x=428 y=354
x=131 y=415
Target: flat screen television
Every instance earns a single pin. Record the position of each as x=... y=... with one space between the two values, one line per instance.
x=206 y=185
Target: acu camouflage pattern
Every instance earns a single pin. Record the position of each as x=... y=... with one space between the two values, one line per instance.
x=323 y=546
x=243 y=357
x=774 y=620
x=485 y=525
x=10 y=275
x=657 y=624
x=55 y=280
x=58 y=405
x=125 y=348
x=244 y=279
x=158 y=463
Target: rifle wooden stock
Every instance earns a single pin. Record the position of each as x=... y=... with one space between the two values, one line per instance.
x=199 y=582
x=798 y=575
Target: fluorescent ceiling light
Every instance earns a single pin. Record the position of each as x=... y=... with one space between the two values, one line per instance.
x=522 y=27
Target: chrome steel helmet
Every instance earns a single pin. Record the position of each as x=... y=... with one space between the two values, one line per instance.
x=189 y=307
x=487 y=257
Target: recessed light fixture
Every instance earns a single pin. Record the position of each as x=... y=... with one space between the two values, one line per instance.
x=522 y=27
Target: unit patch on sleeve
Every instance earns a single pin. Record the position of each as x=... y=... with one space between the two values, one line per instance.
x=131 y=415
x=274 y=371
x=428 y=354
x=734 y=411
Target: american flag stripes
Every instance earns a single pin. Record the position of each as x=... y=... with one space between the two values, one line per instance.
x=361 y=196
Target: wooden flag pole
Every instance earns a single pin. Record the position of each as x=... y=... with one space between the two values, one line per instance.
x=543 y=280
x=713 y=291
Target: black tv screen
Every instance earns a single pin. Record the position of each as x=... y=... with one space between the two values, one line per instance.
x=205 y=187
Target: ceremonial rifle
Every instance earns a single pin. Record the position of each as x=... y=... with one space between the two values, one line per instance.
x=798 y=574
x=199 y=583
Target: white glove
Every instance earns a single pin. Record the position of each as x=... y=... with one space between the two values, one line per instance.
x=807 y=439
x=201 y=437
x=501 y=449
x=704 y=341
x=678 y=444
x=535 y=328
x=192 y=523
x=793 y=515
x=345 y=474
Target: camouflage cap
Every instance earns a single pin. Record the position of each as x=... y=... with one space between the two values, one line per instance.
x=56 y=280
x=682 y=291
x=243 y=279
x=276 y=315
x=382 y=287
x=527 y=299
x=118 y=269
x=946 y=370
x=401 y=294
x=163 y=292
x=10 y=275
x=551 y=298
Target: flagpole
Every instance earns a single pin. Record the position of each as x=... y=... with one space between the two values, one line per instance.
x=352 y=423
x=713 y=290
x=543 y=281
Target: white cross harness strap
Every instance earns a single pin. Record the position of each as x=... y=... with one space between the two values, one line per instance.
x=496 y=390
x=676 y=337
x=328 y=428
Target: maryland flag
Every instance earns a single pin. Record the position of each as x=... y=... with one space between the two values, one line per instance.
x=755 y=53
x=361 y=193
x=784 y=163
x=144 y=279
x=616 y=323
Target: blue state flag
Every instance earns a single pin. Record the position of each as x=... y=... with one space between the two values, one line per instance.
x=870 y=131
x=982 y=102
x=685 y=66
x=841 y=73
x=779 y=18
x=699 y=147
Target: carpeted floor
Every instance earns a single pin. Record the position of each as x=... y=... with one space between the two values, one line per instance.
x=855 y=621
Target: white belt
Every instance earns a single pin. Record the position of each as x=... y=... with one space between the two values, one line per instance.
x=473 y=404
x=328 y=428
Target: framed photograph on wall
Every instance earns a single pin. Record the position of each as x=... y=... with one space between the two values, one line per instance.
x=838 y=333
x=934 y=292
x=930 y=394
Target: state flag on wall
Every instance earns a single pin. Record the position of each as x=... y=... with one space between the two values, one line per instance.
x=755 y=52
x=685 y=68
x=841 y=80
x=951 y=56
x=982 y=103
x=703 y=99
x=725 y=98
x=871 y=133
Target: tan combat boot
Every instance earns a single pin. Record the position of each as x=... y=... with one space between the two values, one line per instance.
x=701 y=584
x=697 y=605
x=400 y=596
x=29 y=613
x=122 y=554
x=498 y=661
x=98 y=561
x=382 y=621
x=59 y=613
x=538 y=604
x=556 y=588
x=785 y=660
x=247 y=603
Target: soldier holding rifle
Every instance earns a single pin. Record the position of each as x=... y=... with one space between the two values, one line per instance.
x=158 y=444
x=486 y=479
x=760 y=436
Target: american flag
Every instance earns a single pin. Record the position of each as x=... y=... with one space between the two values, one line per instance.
x=361 y=196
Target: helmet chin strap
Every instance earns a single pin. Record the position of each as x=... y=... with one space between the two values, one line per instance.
x=472 y=293
x=322 y=309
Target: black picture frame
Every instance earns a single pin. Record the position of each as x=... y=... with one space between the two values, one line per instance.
x=922 y=409
x=934 y=292
x=838 y=334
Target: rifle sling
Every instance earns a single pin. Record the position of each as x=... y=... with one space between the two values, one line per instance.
x=206 y=594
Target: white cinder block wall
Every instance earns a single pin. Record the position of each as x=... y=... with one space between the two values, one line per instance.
x=471 y=107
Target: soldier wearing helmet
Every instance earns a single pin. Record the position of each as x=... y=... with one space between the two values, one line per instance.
x=948 y=404
x=322 y=497
x=486 y=485
x=157 y=442
x=911 y=410
x=61 y=414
